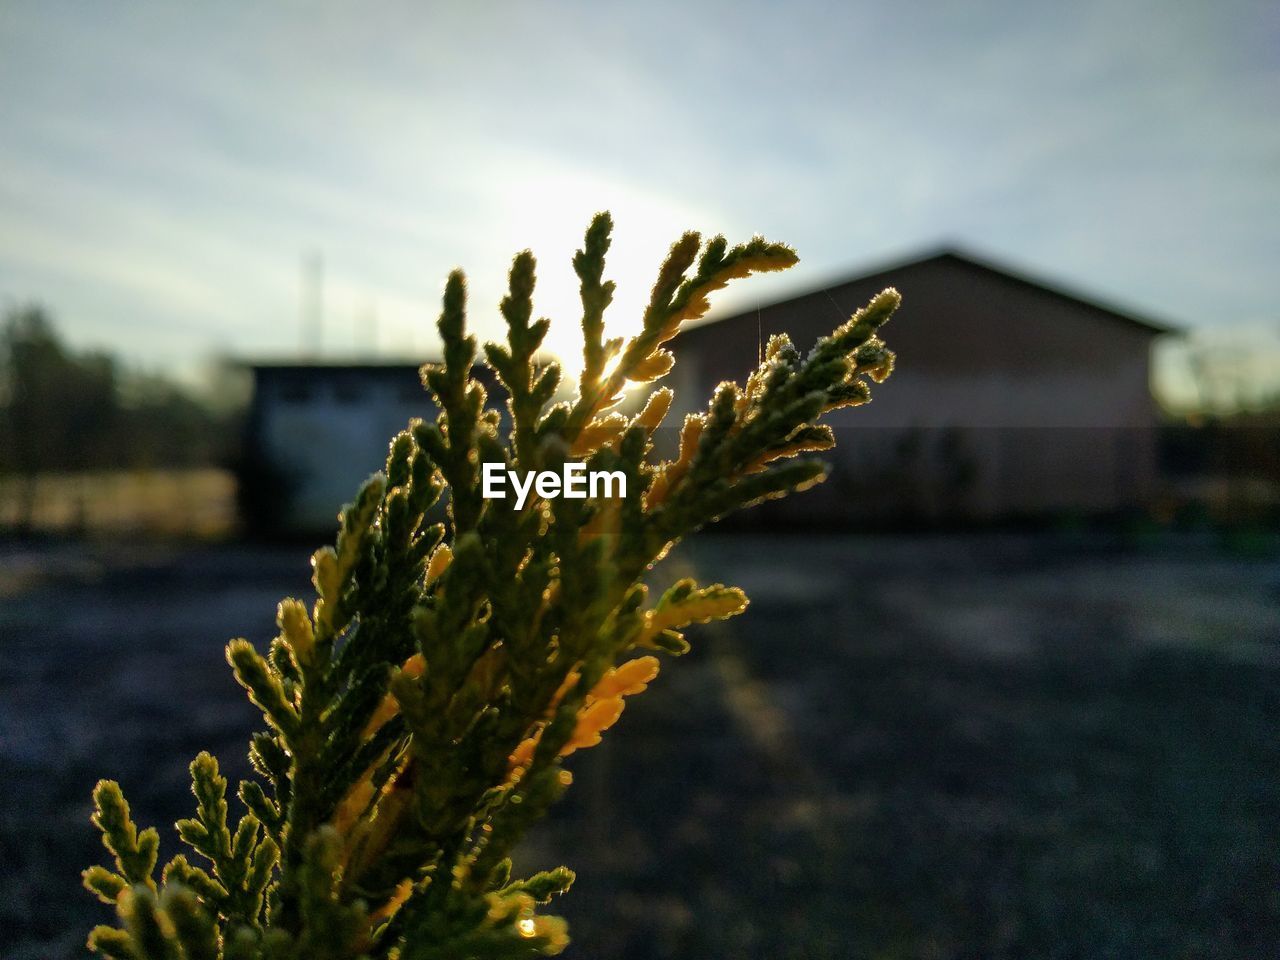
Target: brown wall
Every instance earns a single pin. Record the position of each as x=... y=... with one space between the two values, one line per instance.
x=1008 y=399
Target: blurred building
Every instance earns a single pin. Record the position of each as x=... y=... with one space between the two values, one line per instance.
x=1012 y=398
x=314 y=432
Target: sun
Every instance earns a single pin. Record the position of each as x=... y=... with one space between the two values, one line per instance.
x=548 y=211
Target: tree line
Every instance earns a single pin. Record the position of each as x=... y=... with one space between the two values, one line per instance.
x=63 y=410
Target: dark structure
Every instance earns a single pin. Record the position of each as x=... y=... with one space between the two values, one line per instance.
x=1012 y=398
x=314 y=432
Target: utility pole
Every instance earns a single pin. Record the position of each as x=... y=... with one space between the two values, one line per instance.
x=367 y=329
x=312 y=305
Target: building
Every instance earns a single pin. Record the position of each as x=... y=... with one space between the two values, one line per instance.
x=316 y=431
x=1012 y=398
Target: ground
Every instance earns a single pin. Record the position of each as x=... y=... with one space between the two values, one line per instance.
x=960 y=746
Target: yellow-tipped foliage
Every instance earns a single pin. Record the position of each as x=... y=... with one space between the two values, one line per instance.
x=459 y=650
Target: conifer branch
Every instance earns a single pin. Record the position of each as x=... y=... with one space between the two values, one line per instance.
x=420 y=715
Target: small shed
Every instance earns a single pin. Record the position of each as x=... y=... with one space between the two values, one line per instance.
x=315 y=431
x=1012 y=397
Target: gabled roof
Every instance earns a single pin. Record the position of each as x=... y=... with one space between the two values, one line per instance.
x=332 y=370
x=953 y=255
x=323 y=367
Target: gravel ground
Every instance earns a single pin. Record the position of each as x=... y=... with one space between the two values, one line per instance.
x=980 y=746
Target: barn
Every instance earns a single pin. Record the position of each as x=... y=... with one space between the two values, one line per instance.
x=1012 y=398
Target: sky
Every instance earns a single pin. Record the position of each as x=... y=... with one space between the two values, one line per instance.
x=165 y=168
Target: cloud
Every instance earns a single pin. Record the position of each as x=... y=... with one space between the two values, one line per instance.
x=164 y=171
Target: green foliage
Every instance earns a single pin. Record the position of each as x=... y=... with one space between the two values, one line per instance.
x=418 y=716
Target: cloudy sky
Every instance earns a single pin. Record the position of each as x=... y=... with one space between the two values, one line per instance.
x=164 y=168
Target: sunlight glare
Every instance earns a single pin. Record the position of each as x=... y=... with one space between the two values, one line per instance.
x=549 y=211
